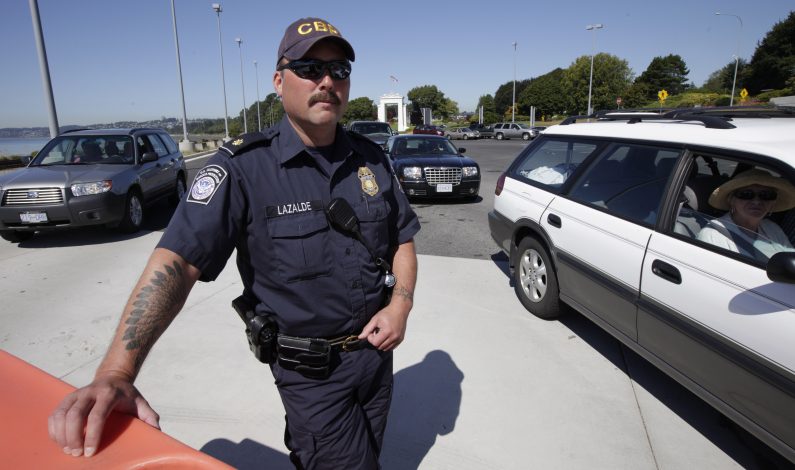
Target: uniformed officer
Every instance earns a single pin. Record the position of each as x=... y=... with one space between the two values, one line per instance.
x=266 y=195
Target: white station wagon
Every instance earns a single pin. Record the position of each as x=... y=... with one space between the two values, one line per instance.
x=674 y=233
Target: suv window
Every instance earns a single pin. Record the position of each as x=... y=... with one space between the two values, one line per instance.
x=157 y=145
x=170 y=144
x=628 y=180
x=553 y=161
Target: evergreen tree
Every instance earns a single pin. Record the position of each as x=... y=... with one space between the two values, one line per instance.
x=667 y=73
x=773 y=62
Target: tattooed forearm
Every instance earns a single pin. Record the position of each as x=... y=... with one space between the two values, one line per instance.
x=403 y=292
x=153 y=309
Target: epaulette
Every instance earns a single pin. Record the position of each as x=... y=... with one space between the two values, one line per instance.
x=243 y=142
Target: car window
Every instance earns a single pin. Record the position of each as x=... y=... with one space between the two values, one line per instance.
x=423 y=147
x=80 y=150
x=628 y=180
x=157 y=145
x=170 y=144
x=725 y=229
x=551 y=162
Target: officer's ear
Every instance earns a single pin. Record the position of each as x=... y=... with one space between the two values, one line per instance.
x=278 y=79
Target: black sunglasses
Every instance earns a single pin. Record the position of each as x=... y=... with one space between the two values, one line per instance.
x=312 y=69
x=749 y=194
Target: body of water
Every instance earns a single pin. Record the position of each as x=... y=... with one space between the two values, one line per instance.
x=14 y=146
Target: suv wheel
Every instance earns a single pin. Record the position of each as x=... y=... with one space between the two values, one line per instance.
x=179 y=191
x=133 y=213
x=14 y=236
x=449 y=137
x=499 y=136
x=535 y=281
x=466 y=137
x=525 y=136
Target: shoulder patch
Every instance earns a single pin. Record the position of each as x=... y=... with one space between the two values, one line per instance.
x=244 y=142
x=206 y=183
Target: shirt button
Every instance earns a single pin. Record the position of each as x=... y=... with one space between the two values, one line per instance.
x=356 y=284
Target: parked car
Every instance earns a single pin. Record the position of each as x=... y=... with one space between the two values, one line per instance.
x=376 y=131
x=427 y=129
x=91 y=177
x=486 y=132
x=430 y=166
x=509 y=130
x=461 y=133
x=607 y=217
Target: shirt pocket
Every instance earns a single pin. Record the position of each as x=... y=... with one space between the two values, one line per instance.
x=301 y=245
x=372 y=214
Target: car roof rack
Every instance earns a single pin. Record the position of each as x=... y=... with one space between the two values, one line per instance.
x=634 y=117
x=75 y=130
x=729 y=112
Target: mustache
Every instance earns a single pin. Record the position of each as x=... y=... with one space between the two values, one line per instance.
x=324 y=96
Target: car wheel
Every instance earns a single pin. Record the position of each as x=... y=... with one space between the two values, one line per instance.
x=449 y=137
x=525 y=136
x=499 y=136
x=133 y=213
x=466 y=137
x=535 y=281
x=179 y=192
x=14 y=236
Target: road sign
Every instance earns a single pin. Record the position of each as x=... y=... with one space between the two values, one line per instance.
x=743 y=94
x=618 y=101
x=662 y=95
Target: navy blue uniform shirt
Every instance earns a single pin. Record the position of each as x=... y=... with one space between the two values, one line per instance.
x=266 y=197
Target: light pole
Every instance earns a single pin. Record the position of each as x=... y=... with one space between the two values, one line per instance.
x=242 y=83
x=737 y=56
x=44 y=68
x=513 y=104
x=185 y=144
x=256 y=74
x=218 y=10
x=592 y=27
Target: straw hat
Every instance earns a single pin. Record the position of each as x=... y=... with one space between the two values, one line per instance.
x=786 y=191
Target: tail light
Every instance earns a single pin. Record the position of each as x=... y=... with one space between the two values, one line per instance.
x=500 y=184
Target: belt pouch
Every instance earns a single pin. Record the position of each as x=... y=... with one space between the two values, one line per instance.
x=308 y=356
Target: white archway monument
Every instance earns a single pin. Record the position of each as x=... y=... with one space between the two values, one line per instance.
x=393 y=99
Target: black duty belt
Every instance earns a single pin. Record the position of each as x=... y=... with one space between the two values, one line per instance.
x=347 y=343
x=311 y=357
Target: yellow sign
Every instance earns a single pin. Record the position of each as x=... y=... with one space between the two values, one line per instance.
x=743 y=94
x=662 y=94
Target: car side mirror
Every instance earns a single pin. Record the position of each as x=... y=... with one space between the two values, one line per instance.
x=781 y=267
x=461 y=150
x=149 y=157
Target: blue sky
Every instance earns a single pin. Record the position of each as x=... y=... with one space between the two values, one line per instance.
x=113 y=60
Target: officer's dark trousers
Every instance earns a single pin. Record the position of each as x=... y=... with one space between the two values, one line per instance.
x=338 y=423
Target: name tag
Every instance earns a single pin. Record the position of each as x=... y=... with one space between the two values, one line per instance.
x=291 y=208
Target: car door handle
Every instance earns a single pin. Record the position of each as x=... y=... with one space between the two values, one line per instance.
x=666 y=271
x=554 y=220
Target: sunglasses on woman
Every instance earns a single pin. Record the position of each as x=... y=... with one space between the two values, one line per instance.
x=749 y=194
x=313 y=69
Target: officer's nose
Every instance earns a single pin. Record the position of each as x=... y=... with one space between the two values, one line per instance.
x=326 y=82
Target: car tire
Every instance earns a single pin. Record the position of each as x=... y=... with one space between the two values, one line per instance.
x=526 y=136
x=535 y=280
x=499 y=136
x=179 y=191
x=15 y=236
x=466 y=137
x=133 y=213
x=449 y=137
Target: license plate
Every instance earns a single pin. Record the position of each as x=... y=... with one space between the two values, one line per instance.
x=444 y=188
x=33 y=217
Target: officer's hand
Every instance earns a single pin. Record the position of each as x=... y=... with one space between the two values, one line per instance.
x=386 y=329
x=88 y=408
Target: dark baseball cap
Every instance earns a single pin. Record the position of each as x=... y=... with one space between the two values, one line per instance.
x=302 y=34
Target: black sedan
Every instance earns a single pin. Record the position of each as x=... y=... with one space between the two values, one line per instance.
x=430 y=166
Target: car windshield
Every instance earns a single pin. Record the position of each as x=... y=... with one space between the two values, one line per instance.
x=82 y=150
x=524 y=126
x=372 y=128
x=424 y=147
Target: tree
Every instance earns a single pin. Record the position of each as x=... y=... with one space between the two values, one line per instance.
x=360 y=109
x=426 y=96
x=487 y=101
x=545 y=93
x=773 y=62
x=720 y=81
x=503 y=98
x=611 y=79
x=448 y=108
x=667 y=73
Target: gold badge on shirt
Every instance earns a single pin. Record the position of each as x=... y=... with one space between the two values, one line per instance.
x=367 y=178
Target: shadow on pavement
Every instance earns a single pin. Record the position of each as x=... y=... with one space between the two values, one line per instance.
x=746 y=450
x=156 y=218
x=426 y=399
x=247 y=454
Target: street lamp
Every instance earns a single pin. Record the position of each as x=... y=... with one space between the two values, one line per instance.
x=737 y=56
x=513 y=105
x=185 y=144
x=242 y=83
x=592 y=27
x=44 y=68
x=218 y=10
x=256 y=74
